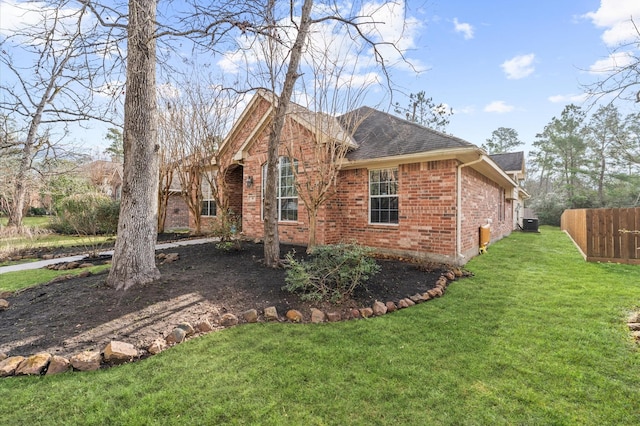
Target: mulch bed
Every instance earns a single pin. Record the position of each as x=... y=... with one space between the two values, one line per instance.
x=64 y=318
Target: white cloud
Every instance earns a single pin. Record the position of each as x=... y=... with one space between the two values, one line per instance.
x=564 y=99
x=464 y=28
x=613 y=62
x=499 y=107
x=334 y=50
x=467 y=109
x=519 y=66
x=615 y=16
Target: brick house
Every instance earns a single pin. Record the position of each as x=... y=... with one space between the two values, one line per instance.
x=402 y=188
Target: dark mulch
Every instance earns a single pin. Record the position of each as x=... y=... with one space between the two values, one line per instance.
x=66 y=317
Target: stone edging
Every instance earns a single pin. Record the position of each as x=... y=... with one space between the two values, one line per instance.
x=117 y=352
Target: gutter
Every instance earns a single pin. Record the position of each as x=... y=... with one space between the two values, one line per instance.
x=459 y=255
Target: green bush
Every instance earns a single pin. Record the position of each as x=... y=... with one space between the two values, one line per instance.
x=332 y=273
x=87 y=214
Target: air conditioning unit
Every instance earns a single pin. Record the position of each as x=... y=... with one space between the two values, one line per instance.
x=530 y=225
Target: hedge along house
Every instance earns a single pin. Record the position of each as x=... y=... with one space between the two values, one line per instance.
x=399 y=188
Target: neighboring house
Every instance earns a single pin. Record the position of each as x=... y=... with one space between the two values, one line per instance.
x=513 y=163
x=106 y=176
x=402 y=189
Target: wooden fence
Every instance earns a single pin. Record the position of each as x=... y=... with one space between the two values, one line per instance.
x=605 y=235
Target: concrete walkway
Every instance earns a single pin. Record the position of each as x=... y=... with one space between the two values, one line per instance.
x=43 y=263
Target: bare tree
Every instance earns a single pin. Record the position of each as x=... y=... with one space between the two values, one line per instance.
x=620 y=79
x=50 y=83
x=194 y=116
x=331 y=92
x=284 y=49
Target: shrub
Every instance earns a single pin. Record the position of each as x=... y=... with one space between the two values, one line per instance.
x=87 y=214
x=332 y=273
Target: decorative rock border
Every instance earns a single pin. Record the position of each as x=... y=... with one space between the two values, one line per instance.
x=117 y=352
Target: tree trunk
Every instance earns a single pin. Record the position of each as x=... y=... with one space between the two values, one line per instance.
x=313 y=225
x=271 y=239
x=134 y=256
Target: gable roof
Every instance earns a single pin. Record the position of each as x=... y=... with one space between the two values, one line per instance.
x=379 y=134
x=510 y=161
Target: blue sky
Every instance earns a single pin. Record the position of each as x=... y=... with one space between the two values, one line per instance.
x=512 y=63
x=497 y=63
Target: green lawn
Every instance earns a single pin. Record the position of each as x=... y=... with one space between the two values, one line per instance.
x=536 y=337
x=37 y=236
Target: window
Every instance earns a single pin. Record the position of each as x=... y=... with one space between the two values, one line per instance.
x=287 y=193
x=501 y=204
x=208 y=205
x=383 y=196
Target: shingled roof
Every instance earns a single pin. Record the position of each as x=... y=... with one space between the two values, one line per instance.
x=510 y=161
x=380 y=135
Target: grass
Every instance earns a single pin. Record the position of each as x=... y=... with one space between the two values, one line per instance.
x=14 y=281
x=37 y=235
x=537 y=336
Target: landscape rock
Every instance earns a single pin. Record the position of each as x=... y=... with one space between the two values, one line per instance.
x=391 y=307
x=402 y=303
x=409 y=301
x=433 y=293
x=86 y=265
x=86 y=361
x=72 y=265
x=355 y=313
x=9 y=365
x=250 y=316
x=634 y=326
x=228 y=320
x=636 y=335
x=4 y=304
x=334 y=316
x=3 y=356
x=442 y=281
x=438 y=291
x=379 y=308
x=47 y=257
x=204 y=326
x=170 y=257
x=450 y=275
x=157 y=346
x=33 y=365
x=84 y=274
x=366 y=312
x=294 y=315
x=417 y=298
x=119 y=352
x=188 y=328
x=176 y=336
x=457 y=272
x=271 y=313
x=317 y=316
x=634 y=317
x=58 y=365
x=5 y=294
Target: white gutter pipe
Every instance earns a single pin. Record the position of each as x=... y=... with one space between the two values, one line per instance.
x=459 y=255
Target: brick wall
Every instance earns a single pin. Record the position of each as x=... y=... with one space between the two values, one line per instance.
x=483 y=201
x=177 y=213
x=427 y=213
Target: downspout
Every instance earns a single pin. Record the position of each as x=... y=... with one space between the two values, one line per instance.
x=459 y=255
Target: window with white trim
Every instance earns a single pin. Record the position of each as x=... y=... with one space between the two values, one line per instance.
x=287 y=193
x=208 y=204
x=383 y=196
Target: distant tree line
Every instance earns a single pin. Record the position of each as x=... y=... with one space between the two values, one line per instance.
x=585 y=162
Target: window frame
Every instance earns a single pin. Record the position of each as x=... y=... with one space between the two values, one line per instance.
x=286 y=184
x=208 y=200
x=381 y=190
